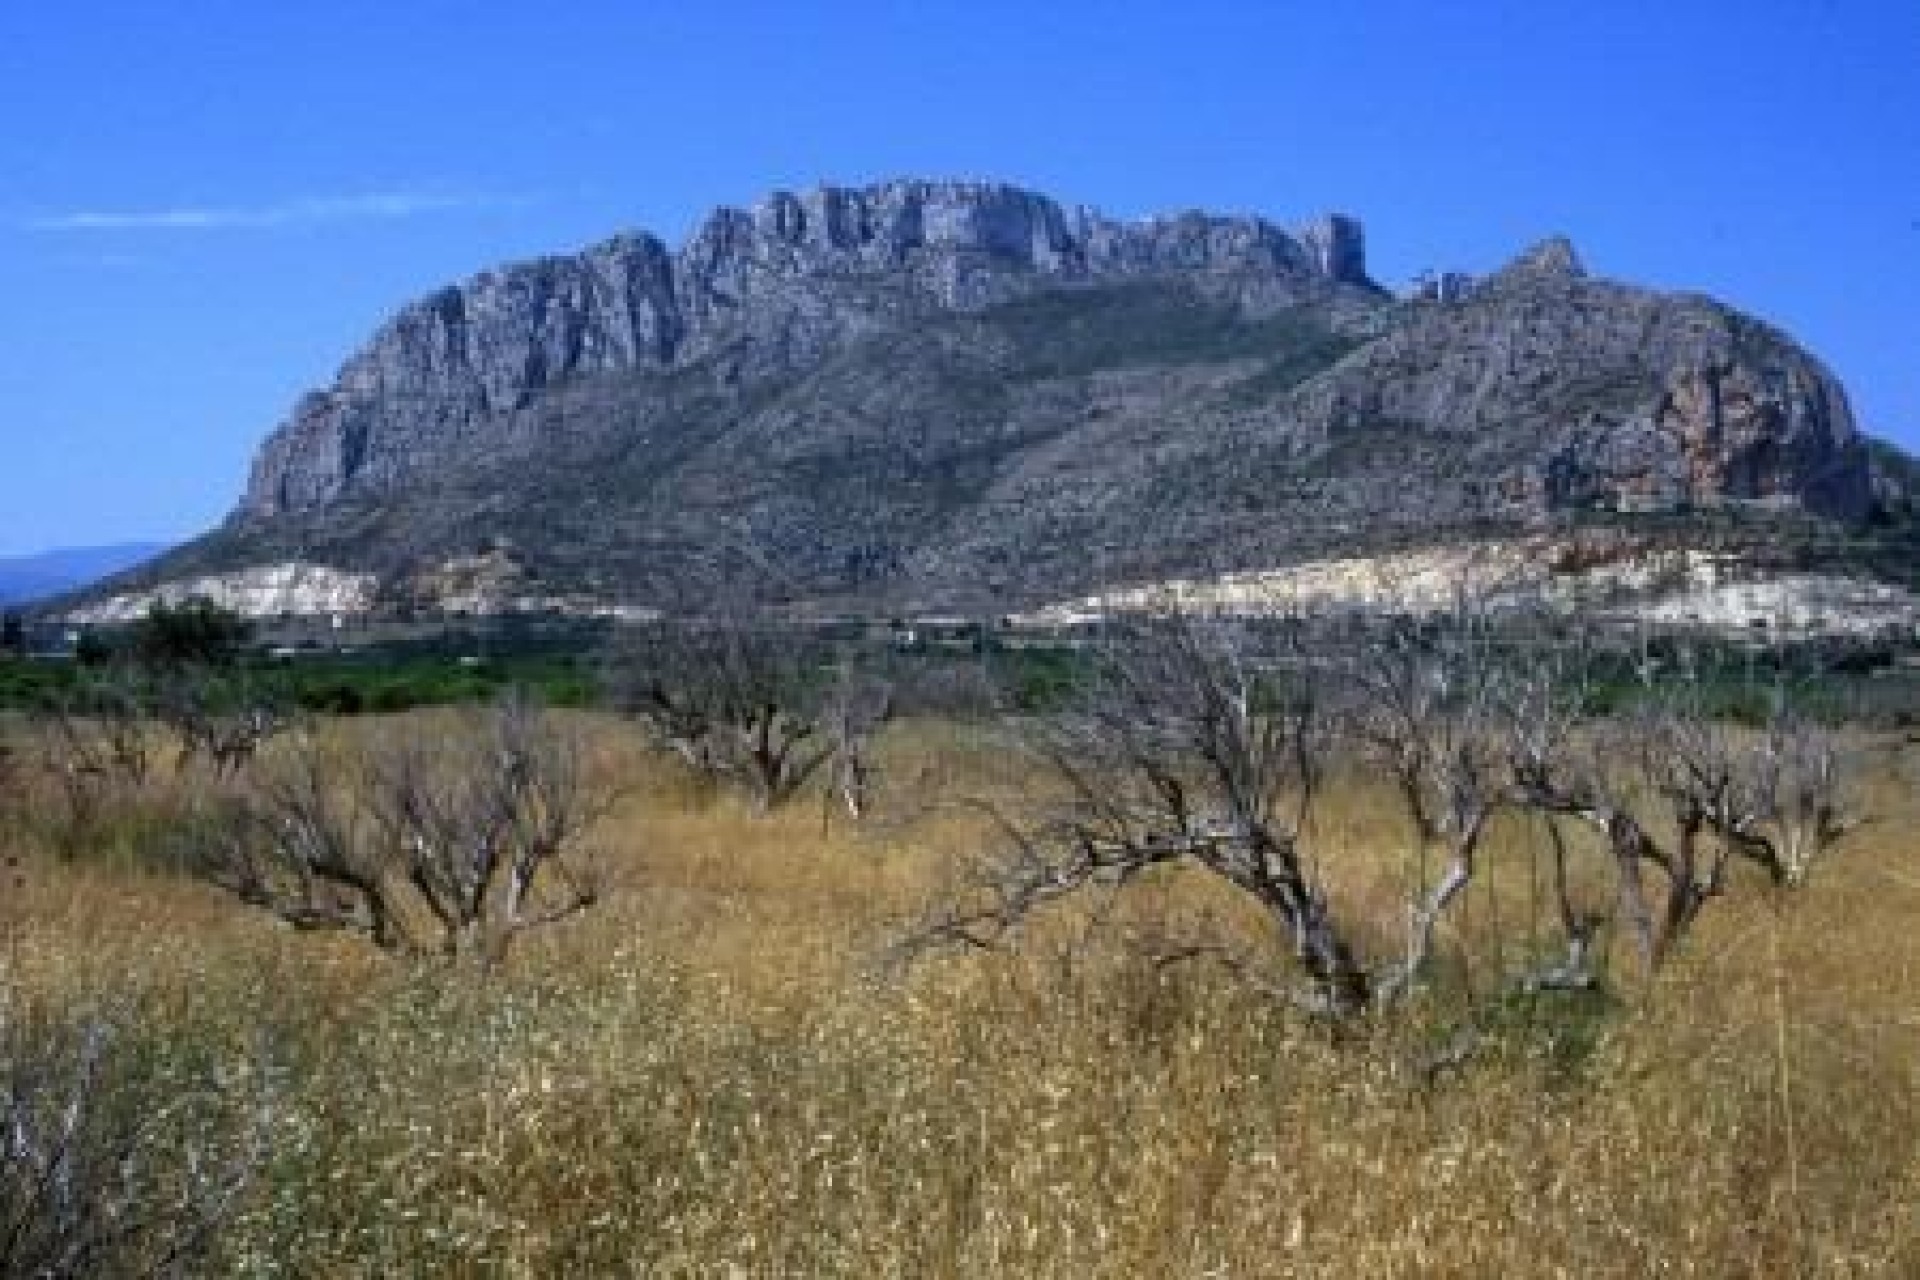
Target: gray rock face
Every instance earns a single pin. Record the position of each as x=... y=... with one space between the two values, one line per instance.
x=1552 y=259
x=797 y=272
x=967 y=394
x=1635 y=399
x=1338 y=247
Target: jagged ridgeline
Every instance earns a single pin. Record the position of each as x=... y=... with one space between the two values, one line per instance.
x=966 y=394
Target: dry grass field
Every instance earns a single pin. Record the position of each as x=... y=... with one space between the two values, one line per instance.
x=716 y=1071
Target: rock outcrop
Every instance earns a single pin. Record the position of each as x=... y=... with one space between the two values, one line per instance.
x=267 y=591
x=1607 y=395
x=796 y=273
x=970 y=395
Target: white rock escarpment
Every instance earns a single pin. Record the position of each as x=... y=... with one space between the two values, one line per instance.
x=1667 y=588
x=293 y=589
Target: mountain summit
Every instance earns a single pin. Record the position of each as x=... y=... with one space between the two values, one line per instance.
x=967 y=394
x=767 y=291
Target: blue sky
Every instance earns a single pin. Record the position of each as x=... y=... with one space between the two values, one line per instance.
x=204 y=207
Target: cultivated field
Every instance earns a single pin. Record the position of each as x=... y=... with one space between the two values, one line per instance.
x=720 y=1069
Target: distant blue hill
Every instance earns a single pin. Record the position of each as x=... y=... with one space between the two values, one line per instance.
x=27 y=578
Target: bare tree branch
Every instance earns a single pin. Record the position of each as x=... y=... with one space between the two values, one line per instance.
x=754 y=706
x=451 y=844
x=1186 y=747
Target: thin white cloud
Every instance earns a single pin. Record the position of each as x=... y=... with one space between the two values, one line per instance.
x=374 y=206
x=101 y=261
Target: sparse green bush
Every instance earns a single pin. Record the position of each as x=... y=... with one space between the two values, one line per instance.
x=194 y=633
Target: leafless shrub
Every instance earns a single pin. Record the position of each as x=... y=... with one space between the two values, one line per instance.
x=96 y=746
x=753 y=707
x=109 y=1166
x=1423 y=700
x=221 y=721
x=1205 y=740
x=1184 y=749
x=100 y=729
x=453 y=844
x=857 y=705
x=1676 y=794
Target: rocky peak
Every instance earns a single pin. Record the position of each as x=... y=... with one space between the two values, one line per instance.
x=1554 y=258
x=795 y=273
x=1338 y=248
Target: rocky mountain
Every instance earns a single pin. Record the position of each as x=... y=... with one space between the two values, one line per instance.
x=940 y=394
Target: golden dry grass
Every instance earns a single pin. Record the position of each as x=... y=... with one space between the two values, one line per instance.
x=710 y=1075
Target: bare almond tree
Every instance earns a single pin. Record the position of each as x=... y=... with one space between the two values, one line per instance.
x=221 y=721
x=1796 y=801
x=754 y=706
x=449 y=843
x=1563 y=767
x=734 y=701
x=857 y=705
x=1422 y=698
x=296 y=840
x=478 y=827
x=1676 y=795
x=1205 y=740
x=96 y=745
x=1186 y=748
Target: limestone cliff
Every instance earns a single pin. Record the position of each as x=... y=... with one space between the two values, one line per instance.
x=796 y=273
x=968 y=394
x=1606 y=395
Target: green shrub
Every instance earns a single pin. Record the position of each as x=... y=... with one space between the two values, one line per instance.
x=194 y=633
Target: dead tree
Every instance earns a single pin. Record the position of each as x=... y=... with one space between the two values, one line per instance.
x=857 y=705
x=1797 y=801
x=1205 y=740
x=1776 y=797
x=1561 y=767
x=748 y=705
x=478 y=828
x=1577 y=968
x=296 y=840
x=223 y=722
x=1184 y=748
x=96 y=746
x=1422 y=699
x=1200 y=740
x=1676 y=795
x=452 y=845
